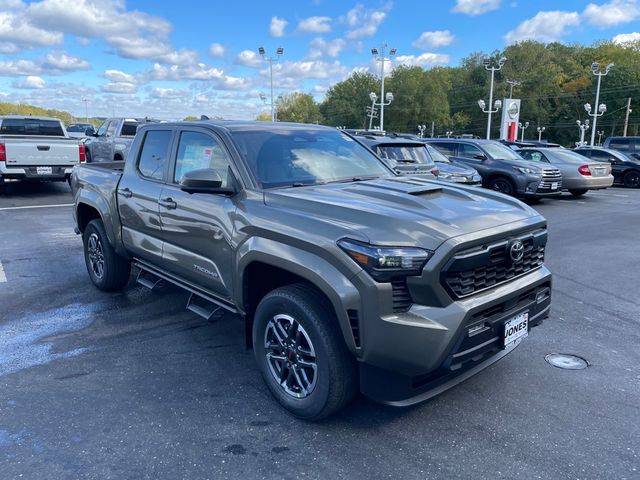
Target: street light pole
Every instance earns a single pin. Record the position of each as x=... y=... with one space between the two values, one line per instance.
x=512 y=83
x=523 y=128
x=595 y=69
x=421 y=129
x=583 y=128
x=373 y=96
x=270 y=60
x=381 y=58
x=498 y=103
x=86 y=109
x=540 y=130
x=600 y=133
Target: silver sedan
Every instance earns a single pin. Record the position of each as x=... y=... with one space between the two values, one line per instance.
x=579 y=174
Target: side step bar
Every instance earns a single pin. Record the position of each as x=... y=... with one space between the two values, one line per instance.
x=200 y=303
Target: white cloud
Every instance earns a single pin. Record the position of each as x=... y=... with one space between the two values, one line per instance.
x=200 y=71
x=315 y=25
x=425 y=60
x=613 y=13
x=249 y=58
x=277 y=26
x=439 y=38
x=60 y=61
x=159 y=92
x=11 y=68
x=119 y=76
x=475 y=7
x=319 y=47
x=624 y=38
x=544 y=27
x=216 y=50
x=30 y=82
x=16 y=33
x=363 y=22
x=119 y=87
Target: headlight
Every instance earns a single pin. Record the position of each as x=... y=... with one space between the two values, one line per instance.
x=530 y=171
x=385 y=263
x=444 y=175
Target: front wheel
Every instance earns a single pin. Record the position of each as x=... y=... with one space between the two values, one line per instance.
x=577 y=192
x=502 y=185
x=301 y=354
x=631 y=179
x=108 y=270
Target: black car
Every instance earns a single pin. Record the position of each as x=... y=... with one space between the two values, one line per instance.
x=625 y=169
x=405 y=156
x=628 y=145
x=501 y=168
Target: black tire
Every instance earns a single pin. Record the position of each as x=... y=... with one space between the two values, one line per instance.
x=108 y=270
x=502 y=185
x=578 y=192
x=333 y=383
x=631 y=179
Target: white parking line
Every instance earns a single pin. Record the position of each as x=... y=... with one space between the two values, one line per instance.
x=37 y=206
x=3 y=277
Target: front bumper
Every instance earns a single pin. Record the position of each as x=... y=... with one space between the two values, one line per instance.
x=450 y=355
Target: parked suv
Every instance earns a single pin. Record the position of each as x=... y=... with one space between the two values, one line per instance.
x=625 y=169
x=501 y=168
x=627 y=145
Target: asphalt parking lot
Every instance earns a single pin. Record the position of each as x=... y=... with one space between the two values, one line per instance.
x=131 y=385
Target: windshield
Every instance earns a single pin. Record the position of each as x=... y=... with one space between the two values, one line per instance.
x=306 y=157
x=495 y=150
x=78 y=128
x=412 y=153
x=436 y=155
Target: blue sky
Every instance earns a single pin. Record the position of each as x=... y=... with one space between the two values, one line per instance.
x=172 y=59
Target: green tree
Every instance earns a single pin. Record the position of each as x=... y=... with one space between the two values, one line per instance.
x=346 y=102
x=298 y=107
x=264 y=117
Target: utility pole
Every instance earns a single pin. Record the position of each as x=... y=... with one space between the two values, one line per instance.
x=512 y=83
x=381 y=58
x=270 y=60
x=626 y=117
x=601 y=108
x=487 y=66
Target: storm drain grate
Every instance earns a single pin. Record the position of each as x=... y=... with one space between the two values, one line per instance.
x=566 y=361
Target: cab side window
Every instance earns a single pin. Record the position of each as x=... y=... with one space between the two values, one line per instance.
x=111 y=129
x=103 y=129
x=154 y=153
x=469 y=151
x=196 y=151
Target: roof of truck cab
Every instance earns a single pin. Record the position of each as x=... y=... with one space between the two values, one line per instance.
x=233 y=125
x=28 y=117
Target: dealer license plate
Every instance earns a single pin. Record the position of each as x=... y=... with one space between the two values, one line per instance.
x=554 y=186
x=516 y=328
x=44 y=170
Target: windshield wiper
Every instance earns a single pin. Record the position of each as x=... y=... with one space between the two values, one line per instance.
x=355 y=179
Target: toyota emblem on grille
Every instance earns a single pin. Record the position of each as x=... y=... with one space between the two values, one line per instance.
x=516 y=251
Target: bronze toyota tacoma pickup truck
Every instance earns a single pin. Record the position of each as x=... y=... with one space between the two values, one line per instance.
x=347 y=276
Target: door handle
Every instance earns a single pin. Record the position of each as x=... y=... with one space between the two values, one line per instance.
x=125 y=192
x=167 y=203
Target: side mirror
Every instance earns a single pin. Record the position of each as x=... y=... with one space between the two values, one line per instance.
x=204 y=180
x=480 y=157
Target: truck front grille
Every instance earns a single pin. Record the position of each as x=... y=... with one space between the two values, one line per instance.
x=479 y=268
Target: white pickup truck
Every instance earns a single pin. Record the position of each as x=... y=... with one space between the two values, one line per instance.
x=37 y=148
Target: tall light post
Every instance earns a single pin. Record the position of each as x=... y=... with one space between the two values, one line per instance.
x=380 y=57
x=421 y=129
x=540 y=130
x=583 y=128
x=373 y=96
x=449 y=133
x=600 y=107
x=86 y=109
x=270 y=60
x=600 y=133
x=523 y=128
x=512 y=83
x=493 y=69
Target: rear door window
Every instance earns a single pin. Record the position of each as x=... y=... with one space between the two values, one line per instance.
x=154 y=154
x=447 y=148
x=533 y=155
x=129 y=129
x=27 y=126
x=468 y=151
x=622 y=144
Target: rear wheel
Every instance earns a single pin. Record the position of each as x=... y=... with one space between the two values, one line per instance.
x=502 y=185
x=577 y=192
x=631 y=179
x=108 y=270
x=299 y=349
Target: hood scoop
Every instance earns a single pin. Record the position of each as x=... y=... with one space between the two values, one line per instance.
x=412 y=186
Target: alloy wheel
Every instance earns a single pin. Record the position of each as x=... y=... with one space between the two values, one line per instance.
x=96 y=255
x=291 y=356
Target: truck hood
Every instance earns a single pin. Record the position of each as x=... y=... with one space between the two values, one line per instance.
x=401 y=210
